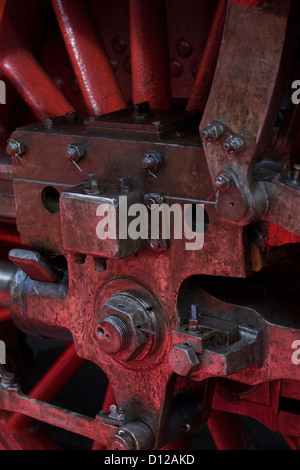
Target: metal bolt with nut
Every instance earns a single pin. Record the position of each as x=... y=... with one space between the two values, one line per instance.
x=113 y=335
x=74 y=153
x=183 y=359
x=152 y=160
x=233 y=144
x=16 y=148
x=214 y=131
x=125 y=326
x=224 y=182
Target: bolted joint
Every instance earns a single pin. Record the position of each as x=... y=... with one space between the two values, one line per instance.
x=75 y=152
x=126 y=327
x=152 y=160
x=233 y=144
x=183 y=359
x=16 y=147
x=224 y=182
x=214 y=131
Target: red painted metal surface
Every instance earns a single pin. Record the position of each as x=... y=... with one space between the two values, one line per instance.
x=16 y=430
x=36 y=88
x=205 y=74
x=149 y=53
x=52 y=382
x=90 y=62
x=228 y=431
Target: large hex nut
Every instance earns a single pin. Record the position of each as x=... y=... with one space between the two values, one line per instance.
x=121 y=326
x=183 y=359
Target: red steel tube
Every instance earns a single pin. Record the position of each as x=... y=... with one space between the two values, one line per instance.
x=149 y=53
x=53 y=381
x=96 y=79
x=206 y=71
x=33 y=84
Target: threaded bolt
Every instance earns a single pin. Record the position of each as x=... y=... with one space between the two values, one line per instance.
x=224 y=182
x=152 y=160
x=16 y=147
x=212 y=132
x=75 y=152
x=183 y=359
x=233 y=144
x=112 y=334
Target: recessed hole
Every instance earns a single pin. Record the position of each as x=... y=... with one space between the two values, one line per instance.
x=50 y=199
x=186 y=427
x=107 y=336
x=100 y=332
x=231 y=204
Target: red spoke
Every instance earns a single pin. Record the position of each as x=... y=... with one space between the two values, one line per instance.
x=35 y=87
x=206 y=71
x=53 y=381
x=293 y=442
x=149 y=53
x=228 y=431
x=90 y=62
x=4 y=314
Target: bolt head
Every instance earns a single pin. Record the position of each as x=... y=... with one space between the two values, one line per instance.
x=131 y=314
x=233 y=144
x=224 y=182
x=212 y=132
x=75 y=152
x=112 y=334
x=183 y=359
x=16 y=147
x=152 y=160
